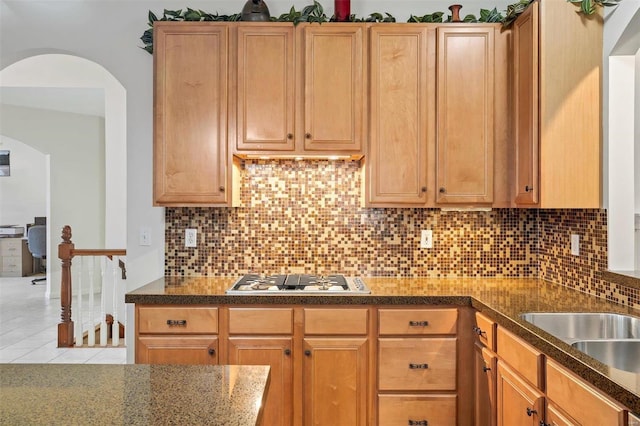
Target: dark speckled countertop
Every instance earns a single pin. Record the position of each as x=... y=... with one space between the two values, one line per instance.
x=83 y=394
x=501 y=299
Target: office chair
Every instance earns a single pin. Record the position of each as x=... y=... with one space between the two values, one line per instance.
x=37 y=242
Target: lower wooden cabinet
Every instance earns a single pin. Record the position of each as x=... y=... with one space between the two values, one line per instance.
x=431 y=410
x=275 y=352
x=335 y=381
x=518 y=403
x=485 y=366
x=177 y=350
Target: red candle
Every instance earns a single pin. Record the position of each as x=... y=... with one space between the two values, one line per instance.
x=342 y=10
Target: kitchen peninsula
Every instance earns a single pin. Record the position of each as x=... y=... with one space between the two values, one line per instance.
x=502 y=301
x=131 y=394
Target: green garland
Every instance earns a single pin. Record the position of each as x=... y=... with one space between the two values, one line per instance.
x=315 y=13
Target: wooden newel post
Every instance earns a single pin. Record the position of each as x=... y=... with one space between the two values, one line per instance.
x=65 y=253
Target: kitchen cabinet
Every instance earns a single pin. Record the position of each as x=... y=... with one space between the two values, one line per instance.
x=557 y=107
x=401 y=115
x=579 y=400
x=417 y=353
x=190 y=161
x=336 y=366
x=176 y=335
x=465 y=114
x=299 y=90
x=439 y=116
x=485 y=371
x=518 y=402
x=264 y=336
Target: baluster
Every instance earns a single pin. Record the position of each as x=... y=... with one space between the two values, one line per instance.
x=65 y=327
x=115 y=328
x=103 y=314
x=91 y=336
x=78 y=310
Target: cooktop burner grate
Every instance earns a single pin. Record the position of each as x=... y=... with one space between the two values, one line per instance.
x=307 y=283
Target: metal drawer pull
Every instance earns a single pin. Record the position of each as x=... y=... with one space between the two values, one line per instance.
x=479 y=331
x=212 y=351
x=418 y=323
x=176 y=322
x=485 y=368
x=418 y=366
x=531 y=412
x=418 y=423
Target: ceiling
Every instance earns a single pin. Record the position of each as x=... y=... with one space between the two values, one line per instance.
x=74 y=100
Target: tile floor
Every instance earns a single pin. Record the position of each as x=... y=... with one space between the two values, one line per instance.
x=29 y=329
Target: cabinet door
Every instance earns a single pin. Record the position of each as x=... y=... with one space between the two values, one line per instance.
x=396 y=166
x=177 y=350
x=517 y=402
x=526 y=77
x=334 y=87
x=465 y=122
x=485 y=386
x=275 y=352
x=190 y=114
x=335 y=381
x=265 y=73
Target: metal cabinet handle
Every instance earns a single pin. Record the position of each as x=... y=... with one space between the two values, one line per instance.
x=479 y=331
x=287 y=351
x=171 y=322
x=307 y=135
x=418 y=323
x=418 y=423
x=418 y=366
x=289 y=135
x=442 y=190
x=528 y=188
x=531 y=412
x=307 y=352
x=222 y=189
x=423 y=189
x=485 y=368
x=212 y=351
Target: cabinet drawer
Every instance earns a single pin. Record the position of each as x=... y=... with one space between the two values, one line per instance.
x=432 y=410
x=486 y=331
x=417 y=321
x=12 y=264
x=336 y=321
x=260 y=321
x=521 y=356
x=177 y=320
x=177 y=350
x=579 y=400
x=417 y=364
x=10 y=246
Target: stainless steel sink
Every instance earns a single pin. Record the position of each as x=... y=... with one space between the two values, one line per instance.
x=572 y=326
x=620 y=354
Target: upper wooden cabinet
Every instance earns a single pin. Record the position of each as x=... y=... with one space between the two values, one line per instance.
x=190 y=114
x=300 y=90
x=400 y=91
x=465 y=114
x=557 y=107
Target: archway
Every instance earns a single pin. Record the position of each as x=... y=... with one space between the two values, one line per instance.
x=72 y=72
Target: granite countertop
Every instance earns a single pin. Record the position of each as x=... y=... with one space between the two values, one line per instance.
x=84 y=394
x=501 y=299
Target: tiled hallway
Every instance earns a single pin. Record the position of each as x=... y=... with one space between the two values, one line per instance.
x=29 y=328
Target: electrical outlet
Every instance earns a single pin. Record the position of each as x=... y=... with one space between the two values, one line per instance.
x=426 y=239
x=575 y=244
x=144 y=238
x=190 y=237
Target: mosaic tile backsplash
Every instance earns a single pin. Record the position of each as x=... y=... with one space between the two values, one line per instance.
x=306 y=217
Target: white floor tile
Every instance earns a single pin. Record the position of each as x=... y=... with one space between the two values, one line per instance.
x=29 y=329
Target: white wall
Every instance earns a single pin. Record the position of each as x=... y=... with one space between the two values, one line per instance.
x=75 y=144
x=23 y=194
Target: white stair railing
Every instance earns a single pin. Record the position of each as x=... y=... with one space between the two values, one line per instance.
x=82 y=322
